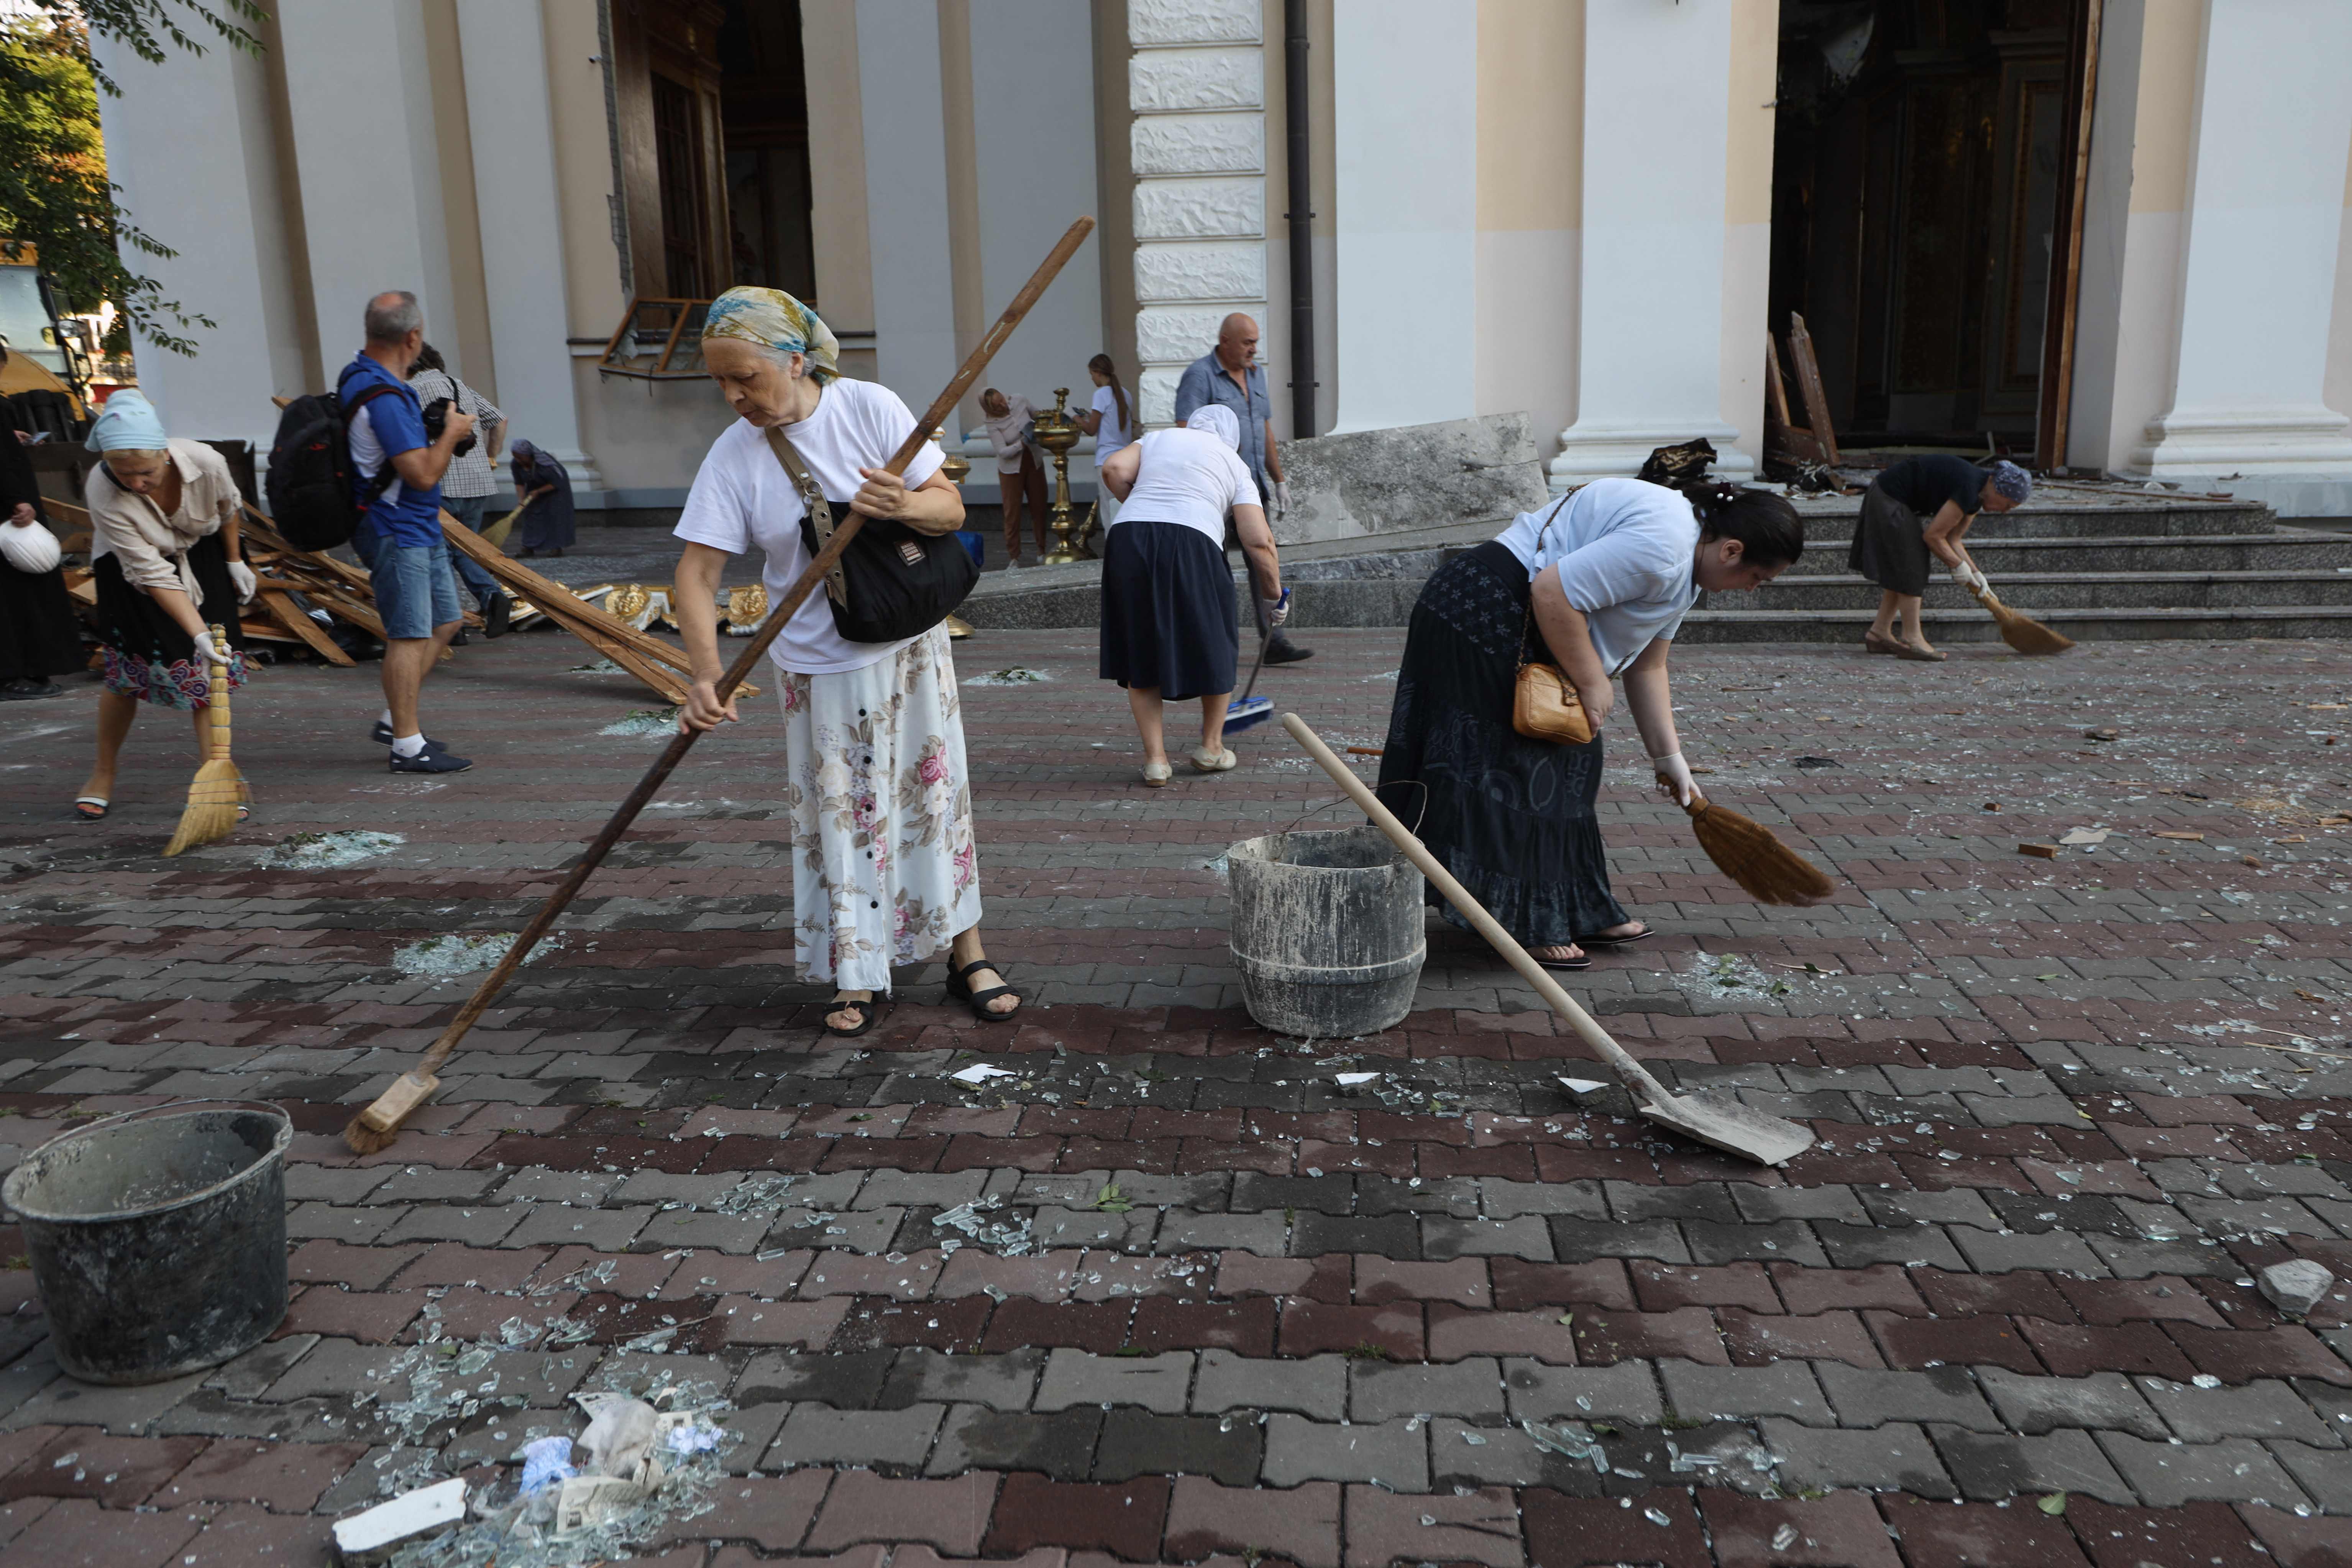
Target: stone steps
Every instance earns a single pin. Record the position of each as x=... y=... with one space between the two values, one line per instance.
x=2035 y=591
x=2146 y=624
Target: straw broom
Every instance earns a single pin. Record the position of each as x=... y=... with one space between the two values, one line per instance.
x=498 y=531
x=1749 y=854
x=2022 y=632
x=373 y=1128
x=219 y=788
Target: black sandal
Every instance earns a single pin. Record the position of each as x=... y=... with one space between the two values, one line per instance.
x=868 y=1008
x=1646 y=931
x=960 y=990
x=1566 y=965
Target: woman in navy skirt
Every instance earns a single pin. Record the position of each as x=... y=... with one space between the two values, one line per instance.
x=1596 y=583
x=1169 y=630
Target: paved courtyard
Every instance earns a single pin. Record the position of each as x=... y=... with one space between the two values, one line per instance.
x=1165 y=1293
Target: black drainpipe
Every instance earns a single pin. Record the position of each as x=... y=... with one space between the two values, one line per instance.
x=1302 y=221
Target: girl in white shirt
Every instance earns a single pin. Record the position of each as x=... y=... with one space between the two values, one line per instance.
x=1112 y=425
x=883 y=868
x=1596 y=583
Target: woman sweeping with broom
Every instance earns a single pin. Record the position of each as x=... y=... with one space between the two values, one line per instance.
x=165 y=560
x=1924 y=506
x=1595 y=585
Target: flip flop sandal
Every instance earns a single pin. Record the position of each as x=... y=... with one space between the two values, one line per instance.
x=868 y=1010
x=99 y=801
x=960 y=990
x=1565 y=964
x=1642 y=935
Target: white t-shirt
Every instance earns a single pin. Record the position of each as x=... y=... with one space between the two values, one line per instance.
x=742 y=496
x=1625 y=550
x=1189 y=477
x=1110 y=435
x=367 y=453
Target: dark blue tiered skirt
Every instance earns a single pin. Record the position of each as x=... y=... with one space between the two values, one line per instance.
x=1168 y=616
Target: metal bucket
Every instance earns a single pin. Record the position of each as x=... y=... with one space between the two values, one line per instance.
x=158 y=1237
x=1326 y=930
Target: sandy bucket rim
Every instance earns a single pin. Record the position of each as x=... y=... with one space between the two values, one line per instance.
x=12 y=1190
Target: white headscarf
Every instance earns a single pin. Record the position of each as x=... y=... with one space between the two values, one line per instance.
x=1218 y=421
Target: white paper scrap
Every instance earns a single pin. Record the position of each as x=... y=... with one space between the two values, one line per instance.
x=1581 y=1085
x=980 y=1072
x=412 y=1514
x=2079 y=836
x=1351 y=1079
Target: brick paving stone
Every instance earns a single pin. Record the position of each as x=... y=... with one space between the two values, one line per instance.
x=82 y=1462
x=2037 y=1404
x=1842 y=1530
x=1002 y=1382
x=1378 y=1391
x=1980 y=1535
x=1564 y=1531
x=2325 y=1474
x=771 y=1512
x=1060 y=1444
x=242 y=1535
x=1712 y=1393
x=2266 y=1408
x=1865 y=1397
x=1124 y=1520
x=77 y=1534
x=1395 y=1453
x=1139 y=1442
x=817 y=1434
x=951 y=1515
x=1989 y=1467
x=1301 y=1524
x=2236 y=1469
x=285 y=1478
x=2293 y=1541
x=1625 y=1392
x=1895 y=1457
x=1076 y=1377
x=1483 y=1527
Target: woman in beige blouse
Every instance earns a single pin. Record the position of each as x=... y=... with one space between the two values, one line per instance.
x=165 y=560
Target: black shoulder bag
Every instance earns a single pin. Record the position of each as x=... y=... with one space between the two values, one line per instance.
x=894 y=582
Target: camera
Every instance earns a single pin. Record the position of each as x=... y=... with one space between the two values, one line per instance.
x=436 y=418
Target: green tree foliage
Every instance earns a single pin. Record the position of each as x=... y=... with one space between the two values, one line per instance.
x=54 y=190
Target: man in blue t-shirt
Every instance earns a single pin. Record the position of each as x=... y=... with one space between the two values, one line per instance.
x=399 y=536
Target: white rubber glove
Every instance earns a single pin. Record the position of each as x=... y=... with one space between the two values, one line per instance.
x=1281 y=497
x=247 y=584
x=1674 y=773
x=1969 y=577
x=209 y=653
x=1277 y=610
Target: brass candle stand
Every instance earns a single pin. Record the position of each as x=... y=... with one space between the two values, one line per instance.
x=1058 y=433
x=955 y=465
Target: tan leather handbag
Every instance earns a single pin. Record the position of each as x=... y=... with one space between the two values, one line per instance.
x=1544 y=706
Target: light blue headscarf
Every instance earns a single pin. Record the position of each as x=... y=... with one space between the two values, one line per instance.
x=128 y=423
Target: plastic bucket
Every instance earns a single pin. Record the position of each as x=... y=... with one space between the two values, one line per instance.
x=158 y=1238
x=1326 y=931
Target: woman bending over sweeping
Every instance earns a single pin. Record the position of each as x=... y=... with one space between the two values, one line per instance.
x=1596 y=583
x=884 y=870
x=166 y=563
x=1891 y=545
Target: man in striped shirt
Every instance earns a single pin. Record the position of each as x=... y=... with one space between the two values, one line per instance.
x=471 y=478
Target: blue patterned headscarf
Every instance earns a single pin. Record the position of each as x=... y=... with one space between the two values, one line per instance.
x=774 y=320
x=128 y=423
x=2009 y=481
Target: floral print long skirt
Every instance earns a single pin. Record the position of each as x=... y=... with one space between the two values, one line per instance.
x=884 y=870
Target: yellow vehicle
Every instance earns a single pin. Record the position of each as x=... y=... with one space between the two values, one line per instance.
x=47 y=352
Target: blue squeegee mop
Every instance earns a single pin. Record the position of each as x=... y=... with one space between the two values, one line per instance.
x=1248 y=710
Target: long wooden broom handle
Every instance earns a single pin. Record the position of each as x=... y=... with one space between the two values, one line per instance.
x=1635 y=1075
x=753 y=651
x=216 y=699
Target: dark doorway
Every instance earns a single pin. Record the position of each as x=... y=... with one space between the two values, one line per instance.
x=763 y=104
x=1922 y=176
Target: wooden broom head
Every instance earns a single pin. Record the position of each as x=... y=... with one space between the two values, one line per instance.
x=213 y=800
x=1750 y=855
x=2022 y=632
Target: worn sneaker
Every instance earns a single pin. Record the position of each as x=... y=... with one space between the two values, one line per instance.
x=435 y=758
x=1280 y=649
x=381 y=736
x=496 y=615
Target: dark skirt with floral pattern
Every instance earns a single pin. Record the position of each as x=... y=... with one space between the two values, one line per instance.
x=148 y=655
x=1511 y=819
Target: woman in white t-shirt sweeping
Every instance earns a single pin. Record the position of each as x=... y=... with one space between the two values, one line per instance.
x=1169 y=631
x=1112 y=425
x=1597 y=585
x=884 y=871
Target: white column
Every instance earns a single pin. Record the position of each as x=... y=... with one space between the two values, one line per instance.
x=2264 y=222
x=907 y=196
x=1405 y=210
x=189 y=141
x=514 y=190
x=362 y=107
x=1196 y=82
x=1034 y=150
x=1657 y=128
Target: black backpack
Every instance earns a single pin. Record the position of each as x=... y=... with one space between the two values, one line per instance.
x=315 y=498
